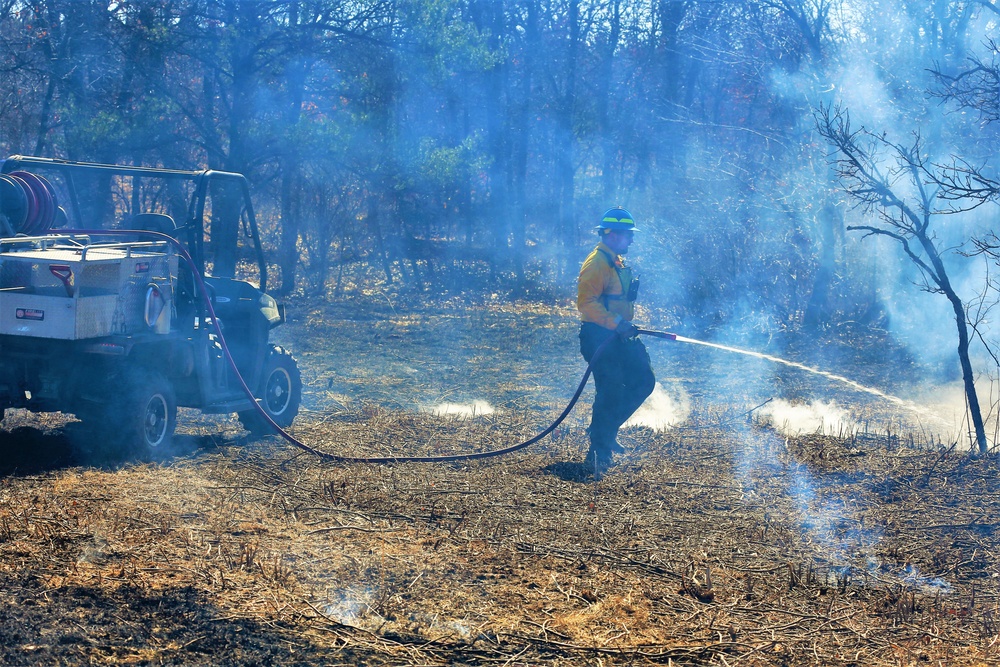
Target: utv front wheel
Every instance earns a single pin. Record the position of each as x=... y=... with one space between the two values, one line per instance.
x=279 y=396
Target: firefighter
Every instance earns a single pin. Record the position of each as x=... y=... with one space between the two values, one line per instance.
x=623 y=377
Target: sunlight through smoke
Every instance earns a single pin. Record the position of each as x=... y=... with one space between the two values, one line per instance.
x=661 y=410
x=949 y=401
x=821 y=417
x=469 y=410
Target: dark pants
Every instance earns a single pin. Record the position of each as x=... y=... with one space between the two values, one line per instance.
x=623 y=378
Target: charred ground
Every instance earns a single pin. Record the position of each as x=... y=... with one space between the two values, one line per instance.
x=717 y=542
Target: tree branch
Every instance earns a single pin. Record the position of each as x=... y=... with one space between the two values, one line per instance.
x=914 y=257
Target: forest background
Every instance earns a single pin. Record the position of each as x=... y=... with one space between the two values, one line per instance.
x=470 y=146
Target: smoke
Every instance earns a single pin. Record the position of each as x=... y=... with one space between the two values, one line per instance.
x=827 y=520
x=351 y=606
x=825 y=517
x=835 y=523
x=886 y=91
x=828 y=514
x=815 y=417
x=476 y=408
x=948 y=405
x=879 y=71
x=925 y=322
x=938 y=414
x=662 y=410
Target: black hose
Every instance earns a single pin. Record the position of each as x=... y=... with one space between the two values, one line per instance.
x=460 y=457
x=183 y=253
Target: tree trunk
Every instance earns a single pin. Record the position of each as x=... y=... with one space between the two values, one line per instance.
x=375 y=227
x=521 y=136
x=817 y=310
x=565 y=141
x=291 y=208
x=288 y=251
x=609 y=144
x=968 y=377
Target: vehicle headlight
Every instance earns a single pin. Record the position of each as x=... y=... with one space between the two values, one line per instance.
x=269 y=308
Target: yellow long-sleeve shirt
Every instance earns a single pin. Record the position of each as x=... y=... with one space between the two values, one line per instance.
x=601 y=289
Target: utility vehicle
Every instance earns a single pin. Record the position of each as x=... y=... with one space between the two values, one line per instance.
x=115 y=283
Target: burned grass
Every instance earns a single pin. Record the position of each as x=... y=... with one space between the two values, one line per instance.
x=718 y=542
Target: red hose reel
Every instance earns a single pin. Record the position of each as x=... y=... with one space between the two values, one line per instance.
x=27 y=204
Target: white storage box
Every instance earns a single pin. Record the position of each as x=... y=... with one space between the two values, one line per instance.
x=72 y=292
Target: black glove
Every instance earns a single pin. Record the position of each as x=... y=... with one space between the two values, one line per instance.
x=626 y=329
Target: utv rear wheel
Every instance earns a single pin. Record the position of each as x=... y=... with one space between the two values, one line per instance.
x=147 y=414
x=280 y=394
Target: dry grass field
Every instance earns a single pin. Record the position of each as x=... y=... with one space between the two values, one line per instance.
x=730 y=538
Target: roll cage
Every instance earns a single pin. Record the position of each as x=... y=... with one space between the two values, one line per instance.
x=221 y=248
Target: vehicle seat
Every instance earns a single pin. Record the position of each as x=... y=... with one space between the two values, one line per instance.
x=153 y=222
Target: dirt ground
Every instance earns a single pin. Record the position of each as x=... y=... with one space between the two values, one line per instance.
x=726 y=539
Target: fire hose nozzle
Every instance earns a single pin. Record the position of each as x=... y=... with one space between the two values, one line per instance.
x=658 y=334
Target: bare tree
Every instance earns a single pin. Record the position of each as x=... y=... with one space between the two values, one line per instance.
x=973 y=87
x=875 y=183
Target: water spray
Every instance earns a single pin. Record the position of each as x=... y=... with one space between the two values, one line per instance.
x=913 y=407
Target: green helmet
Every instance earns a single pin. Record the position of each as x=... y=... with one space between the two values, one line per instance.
x=617 y=219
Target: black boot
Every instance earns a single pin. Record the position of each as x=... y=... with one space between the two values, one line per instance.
x=614 y=449
x=599 y=455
